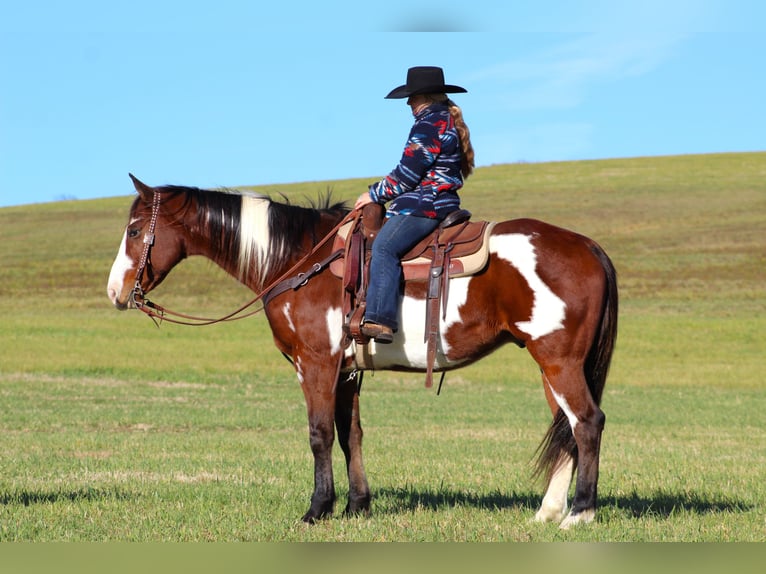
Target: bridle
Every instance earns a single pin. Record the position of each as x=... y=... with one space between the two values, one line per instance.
x=137 y=295
x=288 y=280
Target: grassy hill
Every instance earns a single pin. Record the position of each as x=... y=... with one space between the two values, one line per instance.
x=685 y=233
x=115 y=429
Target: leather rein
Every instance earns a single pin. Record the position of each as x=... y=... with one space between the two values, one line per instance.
x=288 y=280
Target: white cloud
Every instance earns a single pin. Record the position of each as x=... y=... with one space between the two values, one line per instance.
x=562 y=76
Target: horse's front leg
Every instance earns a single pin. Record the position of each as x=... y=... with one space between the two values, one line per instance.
x=317 y=381
x=350 y=438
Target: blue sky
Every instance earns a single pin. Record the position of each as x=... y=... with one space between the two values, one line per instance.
x=239 y=93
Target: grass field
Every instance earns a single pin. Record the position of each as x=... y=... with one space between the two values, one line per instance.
x=116 y=430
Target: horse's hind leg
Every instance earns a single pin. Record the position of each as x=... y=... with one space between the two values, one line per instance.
x=350 y=433
x=554 y=504
x=570 y=392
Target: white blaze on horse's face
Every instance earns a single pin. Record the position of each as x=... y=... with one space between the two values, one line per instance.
x=116 y=283
x=548 y=310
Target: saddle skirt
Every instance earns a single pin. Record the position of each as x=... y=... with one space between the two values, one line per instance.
x=469 y=250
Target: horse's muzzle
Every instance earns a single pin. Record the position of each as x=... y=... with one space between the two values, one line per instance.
x=114 y=297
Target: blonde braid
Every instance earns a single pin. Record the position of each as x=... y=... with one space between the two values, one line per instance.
x=467 y=157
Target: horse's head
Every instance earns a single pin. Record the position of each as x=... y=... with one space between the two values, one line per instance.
x=151 y=246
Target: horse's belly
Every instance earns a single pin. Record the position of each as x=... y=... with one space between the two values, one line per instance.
x=409 y=349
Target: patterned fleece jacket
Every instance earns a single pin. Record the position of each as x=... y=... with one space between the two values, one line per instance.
x=427 y=178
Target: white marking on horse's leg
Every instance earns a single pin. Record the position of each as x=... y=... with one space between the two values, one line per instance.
x=562 y=402
x=335 y=328
x=554 y=505
x=122 y=264
x=286 y=312
x=583 y=517
x=548 y=310
x=586 y=515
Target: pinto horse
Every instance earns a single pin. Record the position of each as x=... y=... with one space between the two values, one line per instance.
x=544 y=288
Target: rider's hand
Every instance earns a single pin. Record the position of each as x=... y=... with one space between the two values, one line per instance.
x=362 y=200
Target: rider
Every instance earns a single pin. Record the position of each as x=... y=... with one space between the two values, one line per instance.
x=422 y=190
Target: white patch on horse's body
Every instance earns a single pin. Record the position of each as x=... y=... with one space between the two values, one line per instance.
x=409 y=349
x=120 y=267
x=286 y=312
x=335 y=328
x=548 y=310
x=254 y=236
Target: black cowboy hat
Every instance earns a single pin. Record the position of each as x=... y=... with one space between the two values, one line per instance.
x=424 y=80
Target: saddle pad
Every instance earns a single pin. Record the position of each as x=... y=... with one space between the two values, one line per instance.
x=419 y=268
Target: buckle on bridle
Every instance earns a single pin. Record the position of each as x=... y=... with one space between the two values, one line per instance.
x=137 y=295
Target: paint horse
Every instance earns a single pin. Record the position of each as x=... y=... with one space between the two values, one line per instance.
x=543 y=288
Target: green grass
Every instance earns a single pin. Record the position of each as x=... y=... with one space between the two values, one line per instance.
x=116 y=430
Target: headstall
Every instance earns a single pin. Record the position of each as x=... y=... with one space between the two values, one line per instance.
x=283 y=283
x=137 y=296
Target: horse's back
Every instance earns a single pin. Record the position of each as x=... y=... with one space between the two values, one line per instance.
x=541 y=229
x=548 y=247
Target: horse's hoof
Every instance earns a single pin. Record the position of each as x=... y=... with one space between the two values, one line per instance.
x=308 y=518
x=313 y=516
x=583 y=517
x=546 y=514
x=352 y=511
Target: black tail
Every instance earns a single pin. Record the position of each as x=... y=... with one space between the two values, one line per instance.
x=559 y=440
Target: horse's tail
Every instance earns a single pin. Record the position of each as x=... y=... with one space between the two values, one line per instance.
x=559 y=441
x=600 y=355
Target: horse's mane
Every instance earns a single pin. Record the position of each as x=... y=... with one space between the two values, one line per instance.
x=213 y=198
x=291 y=221
x=220 y=214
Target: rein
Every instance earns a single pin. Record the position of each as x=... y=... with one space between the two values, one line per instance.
x=288 y=280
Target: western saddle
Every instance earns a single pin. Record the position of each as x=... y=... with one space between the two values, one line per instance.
x=458 y=247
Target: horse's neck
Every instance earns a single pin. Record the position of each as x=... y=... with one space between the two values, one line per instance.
x=276 y=261
x=225 y=253
x=201 y=243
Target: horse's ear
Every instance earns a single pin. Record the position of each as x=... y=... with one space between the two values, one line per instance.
x=146 y=192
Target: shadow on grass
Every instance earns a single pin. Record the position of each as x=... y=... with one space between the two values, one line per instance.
x=664 y=504
x=659 y=503
x=409 y=498
x=27 y=498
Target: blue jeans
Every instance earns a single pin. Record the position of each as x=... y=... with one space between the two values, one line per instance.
x=399 y=234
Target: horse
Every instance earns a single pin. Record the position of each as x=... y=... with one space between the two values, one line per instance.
x=544 y=288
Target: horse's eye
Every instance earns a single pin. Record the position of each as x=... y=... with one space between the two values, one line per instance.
x=133 y=233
